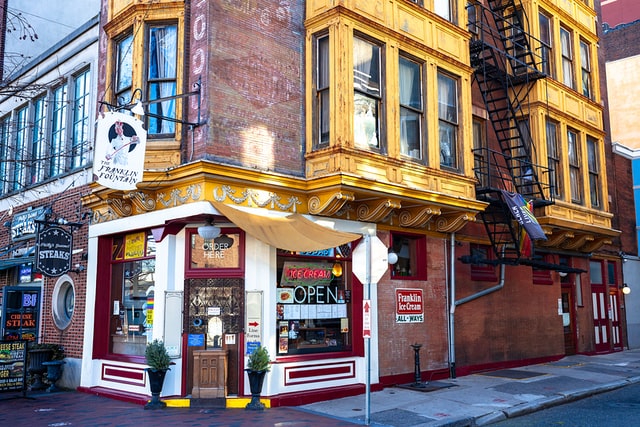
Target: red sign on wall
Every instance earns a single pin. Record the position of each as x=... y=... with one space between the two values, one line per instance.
x=409 y=306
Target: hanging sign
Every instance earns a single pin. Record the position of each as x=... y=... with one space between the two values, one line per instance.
x=53 y=251
x=120 y=148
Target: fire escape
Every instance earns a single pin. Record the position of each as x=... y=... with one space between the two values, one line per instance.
x=506 y=69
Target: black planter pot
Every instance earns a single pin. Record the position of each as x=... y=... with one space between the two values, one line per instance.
x=256 y=379
x=36 y=368
x=54 y=373
x=156 y=380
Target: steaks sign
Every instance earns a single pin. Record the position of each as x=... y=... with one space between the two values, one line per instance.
x=53 y=251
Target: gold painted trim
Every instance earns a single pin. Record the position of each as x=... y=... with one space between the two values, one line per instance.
x=329 y=204
x=417 y=217
x=454 y=221
x=377 y=210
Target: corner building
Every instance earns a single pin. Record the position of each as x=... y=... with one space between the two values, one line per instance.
x=297 y=128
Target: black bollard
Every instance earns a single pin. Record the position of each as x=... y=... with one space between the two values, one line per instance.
x=417 y=378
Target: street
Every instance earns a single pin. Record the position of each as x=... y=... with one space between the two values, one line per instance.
x=619 y=407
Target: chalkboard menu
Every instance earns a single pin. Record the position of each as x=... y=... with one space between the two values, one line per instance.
x=13 y=360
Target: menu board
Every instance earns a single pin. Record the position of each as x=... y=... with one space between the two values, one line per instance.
x=13 y=359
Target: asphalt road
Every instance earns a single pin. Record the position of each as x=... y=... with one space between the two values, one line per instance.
x=620 y=408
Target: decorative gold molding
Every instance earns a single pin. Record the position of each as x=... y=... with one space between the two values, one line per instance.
x=120 y=207
x=453 y=221
x=596 y=244
x=176 y=196
x=579 y=241
x=377 y=210
x=141 y=201
x=417 y=217
x=556 y=238
x=329 y=204
x=257 y=198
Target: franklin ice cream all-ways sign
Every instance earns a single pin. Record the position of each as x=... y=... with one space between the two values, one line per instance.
x=120 y=148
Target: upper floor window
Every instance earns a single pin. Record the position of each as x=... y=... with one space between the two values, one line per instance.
x=58 y=131
x=585 y=66
x=594 y=172
x=367 y=93
x=411 y=108
x=124 y=69
x=412 y=252
x=546 y=45
x=553 y=156
x=80 y=143
x=448 y=120
x=162 y=50
x=574 y=166
x=567 y=58
x=20 y=155
x=5 y=147
x=480 y=152
x=38 y=147
x=322 y=90
x=445 y=9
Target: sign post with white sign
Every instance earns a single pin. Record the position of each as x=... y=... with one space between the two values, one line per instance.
x=253 y=327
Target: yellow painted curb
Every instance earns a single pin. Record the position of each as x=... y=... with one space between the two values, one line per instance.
x=241 y=402
x=178 y=403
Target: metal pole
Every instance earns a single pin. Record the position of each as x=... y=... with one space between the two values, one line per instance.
x=367 y=348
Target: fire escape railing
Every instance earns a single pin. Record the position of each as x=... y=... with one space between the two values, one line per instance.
x=506 y=69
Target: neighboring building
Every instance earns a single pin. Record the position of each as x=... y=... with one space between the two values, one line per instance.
x=622 y=52
x=299 y=127
x=47 y=110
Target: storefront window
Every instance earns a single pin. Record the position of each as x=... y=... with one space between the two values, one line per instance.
x=314 y=301
x=132 y=292
x=223 y=252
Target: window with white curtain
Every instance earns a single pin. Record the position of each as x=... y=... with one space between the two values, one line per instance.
x=553 y=156
x=322 y=90
x=448 y=120
x=411 y=108
x=567 y=58
x=162 y=50
x=124 y=69
x=585 y=66
x=594 y=172
x=574 y=166
x=367 y=94
x=444 y=8
x=546 y=44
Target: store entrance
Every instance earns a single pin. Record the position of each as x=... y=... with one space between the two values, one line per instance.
x=214 y=313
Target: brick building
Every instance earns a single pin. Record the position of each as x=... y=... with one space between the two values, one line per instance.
x=292 y=131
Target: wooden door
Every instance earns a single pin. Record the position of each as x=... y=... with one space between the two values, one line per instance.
x=600 y=319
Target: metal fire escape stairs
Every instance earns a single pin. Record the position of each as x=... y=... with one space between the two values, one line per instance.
x=506 y=69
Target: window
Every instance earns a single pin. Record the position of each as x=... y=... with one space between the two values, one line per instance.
x=5 y=144
x=444 y=8
x=479 y=270
x=585 y=65
x=20 y=155
x=574 y=166
x=132 y=292
x=567 y=58
x=448 y=120
x=367 y=94
x=124 y=67
x=322 y=91
x=80 y=143
x=596 y=273
x=161 y=78
x=314 y=298
x=480 y=152
x=63 y=302
x=222 y=252
x=472 y=18
x=553 y=157
x=411 y=108
x=58 y=131
x=546 y=43
x=594 y=172
x=38 y=140
x=411 y=251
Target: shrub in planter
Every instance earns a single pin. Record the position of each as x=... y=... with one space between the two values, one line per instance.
x=158 y=359
x=257 y=366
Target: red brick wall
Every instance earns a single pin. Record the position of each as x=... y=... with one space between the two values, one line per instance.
x=254 y=83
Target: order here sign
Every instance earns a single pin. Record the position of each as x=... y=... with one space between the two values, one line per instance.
x=409 y=306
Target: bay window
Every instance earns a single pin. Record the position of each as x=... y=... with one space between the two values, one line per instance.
x=411 y=108
x=367 y=93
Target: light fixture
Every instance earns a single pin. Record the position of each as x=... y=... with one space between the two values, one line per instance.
x=337 y=269
x=223 y=241
x=563 y=273
x=392 y=257
x=138 y=109
x=626 y=289
x=208 y=231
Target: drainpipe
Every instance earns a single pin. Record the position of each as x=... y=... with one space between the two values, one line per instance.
x=455 y=303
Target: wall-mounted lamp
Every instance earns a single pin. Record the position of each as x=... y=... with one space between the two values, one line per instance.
x=138 y=109
x=392 y=257
x=208 y=231
x=626 y=289
x=563 y=273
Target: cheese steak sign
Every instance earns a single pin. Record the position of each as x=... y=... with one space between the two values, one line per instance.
x=53 y=251
x=409 y=306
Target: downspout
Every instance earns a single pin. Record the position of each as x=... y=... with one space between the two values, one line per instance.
x=455 y=303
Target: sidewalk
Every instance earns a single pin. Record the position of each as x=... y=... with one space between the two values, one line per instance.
x=487 y=398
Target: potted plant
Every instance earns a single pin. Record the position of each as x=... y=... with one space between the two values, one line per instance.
x=158 y=361
x=257 y=366
x=54 y=366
